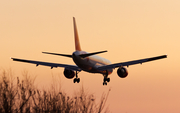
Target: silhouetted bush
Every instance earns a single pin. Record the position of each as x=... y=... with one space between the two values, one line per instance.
x=21 y=96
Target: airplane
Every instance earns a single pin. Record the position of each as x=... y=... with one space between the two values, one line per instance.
x=89 y=62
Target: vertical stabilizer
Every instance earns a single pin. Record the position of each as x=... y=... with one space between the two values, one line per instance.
x=76 y=37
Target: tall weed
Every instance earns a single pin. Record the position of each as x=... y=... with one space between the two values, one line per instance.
x=22 y=96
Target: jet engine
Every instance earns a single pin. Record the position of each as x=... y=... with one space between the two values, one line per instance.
x=69 y=73
x=122 y=72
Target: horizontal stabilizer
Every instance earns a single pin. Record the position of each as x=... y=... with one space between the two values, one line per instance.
x=90 y=54
x=70 y=56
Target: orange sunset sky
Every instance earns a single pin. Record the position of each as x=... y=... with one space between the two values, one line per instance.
x=128 y=29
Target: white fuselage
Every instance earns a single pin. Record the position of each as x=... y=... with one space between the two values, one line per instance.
x=90 y=63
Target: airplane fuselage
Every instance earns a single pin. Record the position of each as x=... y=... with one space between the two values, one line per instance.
x=91 y=63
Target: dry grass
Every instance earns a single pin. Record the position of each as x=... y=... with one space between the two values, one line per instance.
x=21 y=96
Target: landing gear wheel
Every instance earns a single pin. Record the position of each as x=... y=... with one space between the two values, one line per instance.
x=74 y=80
x=108 y=79
x=104 y=83
x=78 y=80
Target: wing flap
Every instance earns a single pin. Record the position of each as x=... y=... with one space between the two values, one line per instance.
x=70 y=67
x=112 y=66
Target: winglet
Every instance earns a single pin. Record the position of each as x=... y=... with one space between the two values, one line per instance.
x=76 y=37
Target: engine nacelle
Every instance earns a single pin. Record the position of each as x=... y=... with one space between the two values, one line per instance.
x=69 y=73
x=122 y=72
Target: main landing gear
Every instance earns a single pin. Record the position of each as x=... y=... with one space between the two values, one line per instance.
x=76 y=79
x=106 y=79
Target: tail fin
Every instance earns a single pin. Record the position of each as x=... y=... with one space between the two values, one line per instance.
x=77 y=43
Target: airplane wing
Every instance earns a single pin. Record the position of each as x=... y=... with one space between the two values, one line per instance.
x=112 y=66
x=70 y=67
